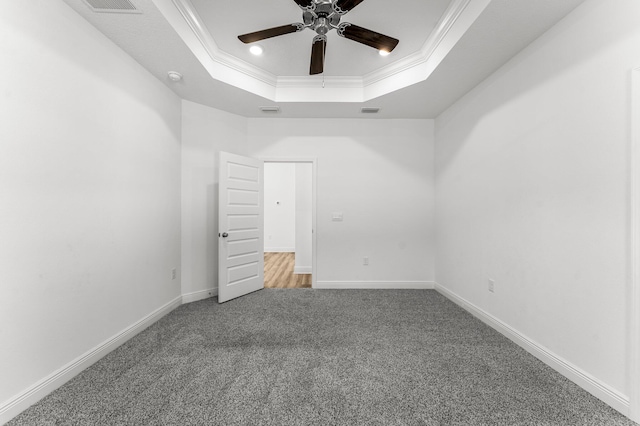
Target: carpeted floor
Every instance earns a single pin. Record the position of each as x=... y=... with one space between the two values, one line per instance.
x=320 y=357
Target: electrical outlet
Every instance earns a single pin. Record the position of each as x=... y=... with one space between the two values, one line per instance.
x=491 y=285
x=365 y=260
x=174 y=274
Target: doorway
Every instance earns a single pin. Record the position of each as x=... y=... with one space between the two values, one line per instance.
x=289 y=223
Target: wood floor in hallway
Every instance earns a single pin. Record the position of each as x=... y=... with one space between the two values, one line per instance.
x=278 y=272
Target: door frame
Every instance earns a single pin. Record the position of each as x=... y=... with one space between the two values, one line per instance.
x=314 y=204
x=634 y=252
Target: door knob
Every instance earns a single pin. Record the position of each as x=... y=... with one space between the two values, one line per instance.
x=225 y=235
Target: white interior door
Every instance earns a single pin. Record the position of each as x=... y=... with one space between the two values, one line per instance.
x=240 y=226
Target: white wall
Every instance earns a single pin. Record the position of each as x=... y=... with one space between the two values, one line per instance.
x=378 y=173
x=532 y=190
x=304 y=218
x=279 y=207
x=205 y=132
x=89 y=191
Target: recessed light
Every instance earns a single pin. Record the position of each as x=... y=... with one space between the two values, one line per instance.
x=256 y=50
x=384 y=53
x=174 y=76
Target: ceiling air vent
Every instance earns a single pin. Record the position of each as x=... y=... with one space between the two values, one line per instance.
x=270 y=109
x=369 y=110
x=112 y=6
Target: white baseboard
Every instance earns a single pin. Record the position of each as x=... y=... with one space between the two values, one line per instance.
x=398 y=285
x=199 y=295
x=279 y=249
x=14 y=406
x=580 y=377
x=302 y=270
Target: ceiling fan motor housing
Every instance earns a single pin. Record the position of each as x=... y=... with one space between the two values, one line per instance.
x=322 y=18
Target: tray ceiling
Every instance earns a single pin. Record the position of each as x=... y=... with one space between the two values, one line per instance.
x=433 y=65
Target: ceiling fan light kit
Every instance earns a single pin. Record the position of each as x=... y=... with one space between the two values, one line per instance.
x=323 y=16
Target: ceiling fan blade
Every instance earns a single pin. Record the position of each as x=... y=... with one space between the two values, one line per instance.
x=305 y=4
x=271 y=32
x=343 y=6
x=318 y=51
x=368 y=37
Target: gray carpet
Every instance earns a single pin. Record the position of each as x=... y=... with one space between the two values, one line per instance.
x=320 y=357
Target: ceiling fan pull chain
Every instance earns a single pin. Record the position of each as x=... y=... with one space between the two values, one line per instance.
x=323 y=53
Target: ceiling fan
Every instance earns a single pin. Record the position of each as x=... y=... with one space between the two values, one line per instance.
x=323 y=16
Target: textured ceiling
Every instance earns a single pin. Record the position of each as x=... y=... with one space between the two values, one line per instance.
x=504 y=28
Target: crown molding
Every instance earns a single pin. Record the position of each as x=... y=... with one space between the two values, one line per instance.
x=444 y=26
x=455 y=22
x=319 y=89
x=191 y=17
x=312 y=82
x=412 y=69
